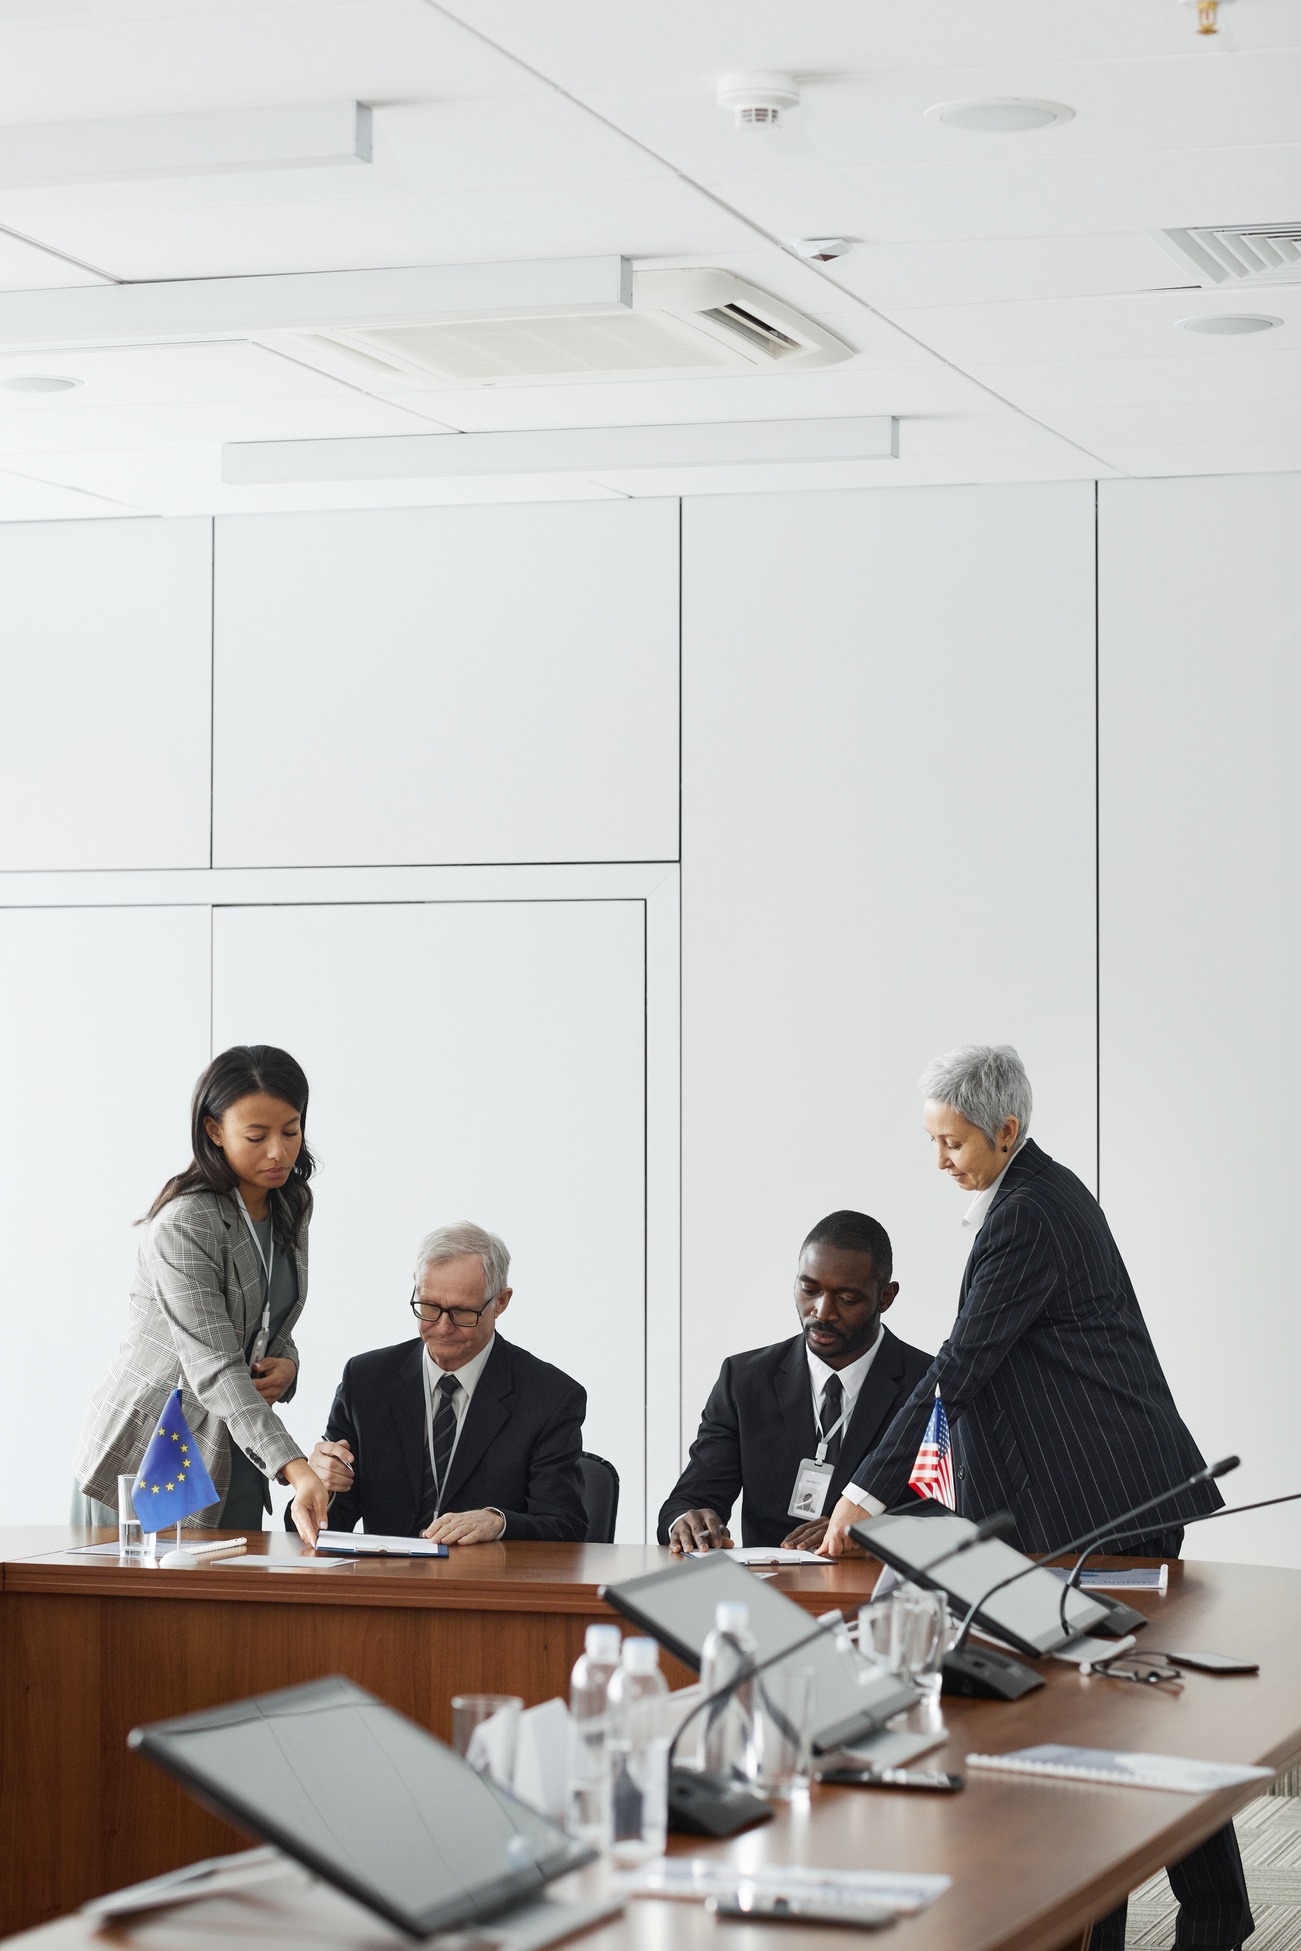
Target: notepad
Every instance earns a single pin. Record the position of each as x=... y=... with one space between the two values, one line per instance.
x=1123 y=1769
x=374 y=1544
x=1140 y=1578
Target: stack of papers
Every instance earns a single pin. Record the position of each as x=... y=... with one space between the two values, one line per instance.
x=375 y=1544
x=1127 y=1770
x=767 y=1555
x=701 y=1877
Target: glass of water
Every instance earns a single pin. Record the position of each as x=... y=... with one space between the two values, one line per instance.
x=783 y=1731
x=919 y=1637
x=135 y=1545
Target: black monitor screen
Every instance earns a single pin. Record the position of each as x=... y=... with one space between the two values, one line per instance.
x=368 y=1800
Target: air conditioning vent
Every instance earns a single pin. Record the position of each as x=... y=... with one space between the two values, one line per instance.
x=1237 y=254
x=681 y=323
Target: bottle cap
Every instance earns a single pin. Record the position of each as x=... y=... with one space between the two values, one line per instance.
x=602 y=1643
x=732 y=1616
x=641 y=1656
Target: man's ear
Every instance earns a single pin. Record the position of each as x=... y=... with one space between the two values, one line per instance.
x=888 y=1293
x=503 y=1300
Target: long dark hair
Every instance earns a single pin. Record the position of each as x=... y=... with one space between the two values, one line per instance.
x=245 y=1070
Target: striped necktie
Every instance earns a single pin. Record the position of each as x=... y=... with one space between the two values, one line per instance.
x=832 y=1397
x=443 y=1436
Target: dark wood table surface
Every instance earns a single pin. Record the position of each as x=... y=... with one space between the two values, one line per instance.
x=1033 y=1862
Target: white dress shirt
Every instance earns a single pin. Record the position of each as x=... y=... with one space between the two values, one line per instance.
x=468 y=1377
x=851 y=1380
x=973 y=1219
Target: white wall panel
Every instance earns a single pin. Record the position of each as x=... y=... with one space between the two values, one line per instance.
x=467 y=1061
x=888 y=849
x=103 y=1030
x=104 y=737
x=1200 y=697
x=448 y=685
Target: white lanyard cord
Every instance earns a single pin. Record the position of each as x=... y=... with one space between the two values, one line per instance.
x=266 y=1264
x=824 y=1442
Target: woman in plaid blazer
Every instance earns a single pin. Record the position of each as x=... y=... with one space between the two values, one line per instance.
x=221 y=1278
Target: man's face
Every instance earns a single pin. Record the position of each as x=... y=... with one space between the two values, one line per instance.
x=457 y=1284
x=839 y=1302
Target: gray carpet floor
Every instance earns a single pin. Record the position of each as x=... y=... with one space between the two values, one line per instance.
x=1269 y=1834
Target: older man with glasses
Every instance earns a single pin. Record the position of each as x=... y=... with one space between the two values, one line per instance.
x=459 y=1435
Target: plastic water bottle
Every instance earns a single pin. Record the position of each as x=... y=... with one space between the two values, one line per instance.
x=636 y=1756
x=727 y=1747
x=588 y=1685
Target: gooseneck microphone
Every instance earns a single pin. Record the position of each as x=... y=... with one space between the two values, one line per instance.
x=1091 y=1537
x=1227 y=1510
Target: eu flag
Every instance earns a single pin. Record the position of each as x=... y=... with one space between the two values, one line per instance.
x=172 y=1481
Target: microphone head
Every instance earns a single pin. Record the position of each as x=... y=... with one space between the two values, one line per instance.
x=1223 y=1467
x=994 y=1527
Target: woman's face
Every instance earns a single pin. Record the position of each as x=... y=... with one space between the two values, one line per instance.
x=262 y=1137
x=962 y=1150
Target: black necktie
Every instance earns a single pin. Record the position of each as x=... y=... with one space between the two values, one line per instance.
x=438 y=1450
x=832 y=1397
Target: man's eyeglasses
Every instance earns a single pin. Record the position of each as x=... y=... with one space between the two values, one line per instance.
x=460 y=1317
x=1148 y=1670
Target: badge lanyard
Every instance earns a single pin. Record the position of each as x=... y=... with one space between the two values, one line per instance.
x=824 y=1442
x=813 y=1478
x=263 y=1336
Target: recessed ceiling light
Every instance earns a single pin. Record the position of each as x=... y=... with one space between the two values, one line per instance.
x=38 y=383
x=1000 y=115
x=1228 y=325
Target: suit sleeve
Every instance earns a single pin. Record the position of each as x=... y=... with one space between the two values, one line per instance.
x=1012 y=1284
x=553 y=1505
x=345 y=1505
x=712 y=1478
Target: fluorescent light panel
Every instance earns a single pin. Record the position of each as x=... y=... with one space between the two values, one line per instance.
x=573 y=450
x=214 y=142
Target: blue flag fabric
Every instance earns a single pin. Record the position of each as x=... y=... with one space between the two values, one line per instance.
x=172 y=1481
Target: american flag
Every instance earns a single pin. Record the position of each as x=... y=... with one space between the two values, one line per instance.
x=933 y=1471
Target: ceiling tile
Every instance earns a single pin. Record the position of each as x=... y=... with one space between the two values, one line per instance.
x=1102 y=328
x=26 y=267
x=1180 y=377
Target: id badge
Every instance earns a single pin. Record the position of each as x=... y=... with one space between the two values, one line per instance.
x=812 y=1481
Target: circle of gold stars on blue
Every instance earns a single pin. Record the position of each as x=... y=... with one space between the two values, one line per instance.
x=183 y=1466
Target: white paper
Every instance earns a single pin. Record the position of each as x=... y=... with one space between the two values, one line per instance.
x=767 y=1555
x=541 y=1757
x=1122 y=1767
x=701 y=1877
x=377 y=1544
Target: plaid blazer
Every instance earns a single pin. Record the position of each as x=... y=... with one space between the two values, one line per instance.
x=195 y=1302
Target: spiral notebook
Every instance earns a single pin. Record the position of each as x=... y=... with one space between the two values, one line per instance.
x=1116 y=1766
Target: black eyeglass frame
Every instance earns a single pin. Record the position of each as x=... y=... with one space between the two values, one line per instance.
x=1161 y=1669
x=475 y=1314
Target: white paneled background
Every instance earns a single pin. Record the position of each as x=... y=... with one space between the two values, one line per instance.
x=890 y=828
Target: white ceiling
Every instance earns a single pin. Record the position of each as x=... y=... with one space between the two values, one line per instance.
x=1004 y=295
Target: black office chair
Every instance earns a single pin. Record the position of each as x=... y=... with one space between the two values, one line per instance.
x=601 y=1497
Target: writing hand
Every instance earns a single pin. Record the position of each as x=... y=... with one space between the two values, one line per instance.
x=334 y=1464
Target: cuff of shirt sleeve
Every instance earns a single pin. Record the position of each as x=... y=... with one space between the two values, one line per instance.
x=502 y=1515
x=872 y=1505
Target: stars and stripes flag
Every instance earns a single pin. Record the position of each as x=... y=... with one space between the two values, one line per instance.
x=172 y=1480
x=933 y=1471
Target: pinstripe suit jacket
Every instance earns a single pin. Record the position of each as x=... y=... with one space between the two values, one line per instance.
x=195 y=1302
x=1057 y=1404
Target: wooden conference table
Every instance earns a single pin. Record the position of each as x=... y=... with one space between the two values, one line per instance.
x=89 y=1649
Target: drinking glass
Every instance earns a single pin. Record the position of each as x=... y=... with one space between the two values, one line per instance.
x=920 y=1637
x=135 y=1545
x=783 y=1731
x=485 y=1728
x=876 y=1632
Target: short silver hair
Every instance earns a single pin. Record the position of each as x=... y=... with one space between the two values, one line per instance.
x=985 y=1083
x=458 y=1242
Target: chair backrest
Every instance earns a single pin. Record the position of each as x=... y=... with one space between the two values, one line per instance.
x=601 y=1498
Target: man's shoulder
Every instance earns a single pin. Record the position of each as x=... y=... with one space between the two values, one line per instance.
x=753 y=1363
x=915 y=1360
x=531 y=1372
x=379 y=1363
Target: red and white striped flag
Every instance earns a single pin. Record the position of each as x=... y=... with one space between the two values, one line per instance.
x=933 y=1471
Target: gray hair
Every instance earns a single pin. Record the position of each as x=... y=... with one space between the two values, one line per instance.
x=458 y=1242
x=985 y=1083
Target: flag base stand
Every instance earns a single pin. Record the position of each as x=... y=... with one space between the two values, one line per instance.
x=178 y=1560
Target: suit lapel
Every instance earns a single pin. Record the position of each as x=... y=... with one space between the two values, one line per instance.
x=486 y=1416
x=877 y=1400
x=408 y=1405
x=795 y=1398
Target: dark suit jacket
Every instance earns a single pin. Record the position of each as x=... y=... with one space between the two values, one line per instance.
x=1057 y=1404
x=518 y=1448
x=758 y=1426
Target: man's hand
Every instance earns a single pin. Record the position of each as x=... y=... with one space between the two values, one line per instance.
x=837 y=1543
x=311 y=1504
x=273 y=1376
x=335 y=1465
x=806 y=1537
x=466 y=1528
x=699 y=1531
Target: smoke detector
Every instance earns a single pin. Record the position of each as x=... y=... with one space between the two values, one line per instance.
x=821 y=250
x=757 y=97
x=1237 y=254
x=682 y=324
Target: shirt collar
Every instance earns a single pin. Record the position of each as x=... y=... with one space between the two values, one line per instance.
x=467 y=1376
x=974 y=1217
x=851 y=1379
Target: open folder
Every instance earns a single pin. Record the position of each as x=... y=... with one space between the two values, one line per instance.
x=377 y=1544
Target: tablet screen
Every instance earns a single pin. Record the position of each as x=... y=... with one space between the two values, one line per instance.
x=368 y=1800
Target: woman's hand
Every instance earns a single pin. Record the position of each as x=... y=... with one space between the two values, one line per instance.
x=273 y=1377
x=311 y=1499
x=335 y=1465
x=838 y=1543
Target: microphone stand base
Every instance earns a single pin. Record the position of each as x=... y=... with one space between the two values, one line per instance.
x=710 y=1805
x=979 y=1673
